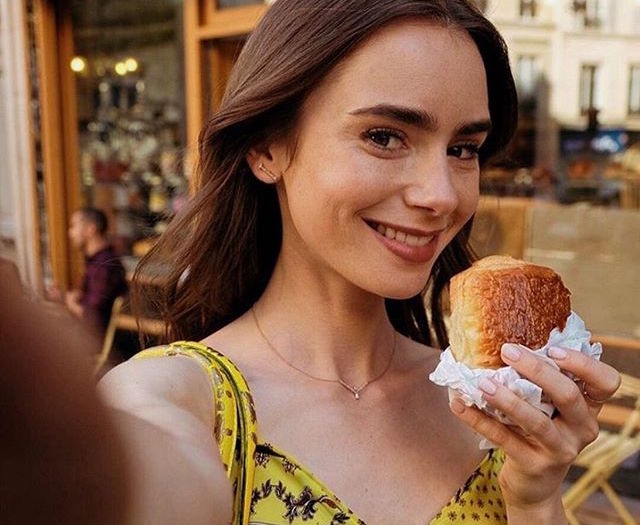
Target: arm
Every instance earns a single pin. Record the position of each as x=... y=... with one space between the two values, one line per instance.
x=163 y=410
x=141 y=452
x=72 y=302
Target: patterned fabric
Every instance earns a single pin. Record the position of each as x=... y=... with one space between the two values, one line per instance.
x=272 y=488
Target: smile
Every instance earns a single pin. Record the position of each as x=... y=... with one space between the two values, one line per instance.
x=400 y=236
x=412 y=238
x=411 y=245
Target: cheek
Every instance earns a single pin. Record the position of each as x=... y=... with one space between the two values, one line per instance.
x=337 y=179
x=468 y=191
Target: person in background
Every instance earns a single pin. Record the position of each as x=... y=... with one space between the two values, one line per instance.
x=104 y=277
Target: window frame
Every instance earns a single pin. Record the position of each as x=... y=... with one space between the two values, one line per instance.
x=634 y=73
x=528 y=8
x=592 y=97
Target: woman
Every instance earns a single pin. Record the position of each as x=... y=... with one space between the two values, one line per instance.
x=337 y=186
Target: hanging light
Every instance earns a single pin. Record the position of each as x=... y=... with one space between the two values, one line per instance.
x=78 y=64
x=132 y=64
x=121 y=69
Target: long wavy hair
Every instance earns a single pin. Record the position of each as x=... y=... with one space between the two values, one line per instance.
x=223 y=246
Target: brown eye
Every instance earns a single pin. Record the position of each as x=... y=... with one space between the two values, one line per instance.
x=464 y=151
x=384 y=138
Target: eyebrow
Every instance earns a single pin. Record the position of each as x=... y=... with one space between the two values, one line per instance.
x=420 y=118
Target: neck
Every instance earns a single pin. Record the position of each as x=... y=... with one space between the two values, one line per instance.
x=325 y=326
x=93 y=246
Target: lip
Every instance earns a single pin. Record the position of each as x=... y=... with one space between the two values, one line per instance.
x=412 y=254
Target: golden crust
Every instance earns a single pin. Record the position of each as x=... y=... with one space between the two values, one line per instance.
x=504 y=300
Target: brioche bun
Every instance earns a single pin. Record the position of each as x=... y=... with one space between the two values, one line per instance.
x=499 y=300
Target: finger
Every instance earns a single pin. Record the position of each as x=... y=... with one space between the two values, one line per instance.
x=491 y=429
x=563 y=392
x=535 y=423
x=600 y=380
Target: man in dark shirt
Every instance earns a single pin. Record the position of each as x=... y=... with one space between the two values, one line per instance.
x=104 y=278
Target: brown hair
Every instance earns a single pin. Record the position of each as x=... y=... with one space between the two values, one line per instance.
x=223 y=247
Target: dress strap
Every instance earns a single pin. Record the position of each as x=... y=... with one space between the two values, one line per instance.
x=235 y=417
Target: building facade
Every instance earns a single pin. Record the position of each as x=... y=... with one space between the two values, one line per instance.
x=572 y=56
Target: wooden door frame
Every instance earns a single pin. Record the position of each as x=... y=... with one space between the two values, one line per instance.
x=204 y=23
x=59 y=135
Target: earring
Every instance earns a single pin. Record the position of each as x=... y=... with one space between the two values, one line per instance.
x=268 y=172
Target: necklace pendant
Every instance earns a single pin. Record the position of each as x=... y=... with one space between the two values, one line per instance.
x=356 y=394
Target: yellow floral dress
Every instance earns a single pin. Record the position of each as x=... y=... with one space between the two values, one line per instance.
x=272 y=488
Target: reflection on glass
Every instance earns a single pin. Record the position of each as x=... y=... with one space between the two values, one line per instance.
x=130 y=114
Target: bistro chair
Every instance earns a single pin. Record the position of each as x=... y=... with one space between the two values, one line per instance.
x=107 y=342
x=604 y=456
x=120 y=320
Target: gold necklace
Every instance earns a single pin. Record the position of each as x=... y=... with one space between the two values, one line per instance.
x=354 y=390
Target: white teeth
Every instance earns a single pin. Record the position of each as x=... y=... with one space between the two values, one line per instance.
x=411 y=240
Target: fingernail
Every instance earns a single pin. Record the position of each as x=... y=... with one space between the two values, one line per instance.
x=511 y=352
x=457 y=406
x=487 y=386
x=557 y=353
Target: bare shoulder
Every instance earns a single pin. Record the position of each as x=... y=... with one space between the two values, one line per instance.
x=163 y=408
x=161 y=390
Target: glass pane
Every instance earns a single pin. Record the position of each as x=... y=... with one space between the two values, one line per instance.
x=235 y=3
x=130 y=106
x=567 y=195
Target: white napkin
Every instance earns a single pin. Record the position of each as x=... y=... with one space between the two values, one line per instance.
x=462 y=381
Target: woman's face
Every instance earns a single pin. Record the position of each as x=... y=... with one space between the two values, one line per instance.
x=386 y=168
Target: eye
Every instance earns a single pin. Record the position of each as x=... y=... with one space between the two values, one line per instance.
x=464 y=151
x=386 y=139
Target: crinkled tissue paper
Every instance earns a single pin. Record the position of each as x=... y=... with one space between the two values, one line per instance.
x=462 y=381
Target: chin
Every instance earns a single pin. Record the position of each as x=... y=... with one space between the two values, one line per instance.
x=399 y=288
x=403 y=296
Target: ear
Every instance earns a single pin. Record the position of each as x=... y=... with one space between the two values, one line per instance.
x=266 y=162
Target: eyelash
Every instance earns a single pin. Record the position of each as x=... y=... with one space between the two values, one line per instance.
x=392 y=133
x=472 y=147
x=474 y=150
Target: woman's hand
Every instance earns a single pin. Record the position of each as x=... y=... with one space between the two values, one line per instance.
x=540 y=452
x=67 y=457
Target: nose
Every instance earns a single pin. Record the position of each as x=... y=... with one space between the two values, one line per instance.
x=430 y=185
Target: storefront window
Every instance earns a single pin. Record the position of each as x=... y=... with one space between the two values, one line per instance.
x=130 y=109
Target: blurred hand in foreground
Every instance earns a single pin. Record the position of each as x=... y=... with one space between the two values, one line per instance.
x=53 y=293
x=60 y=458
